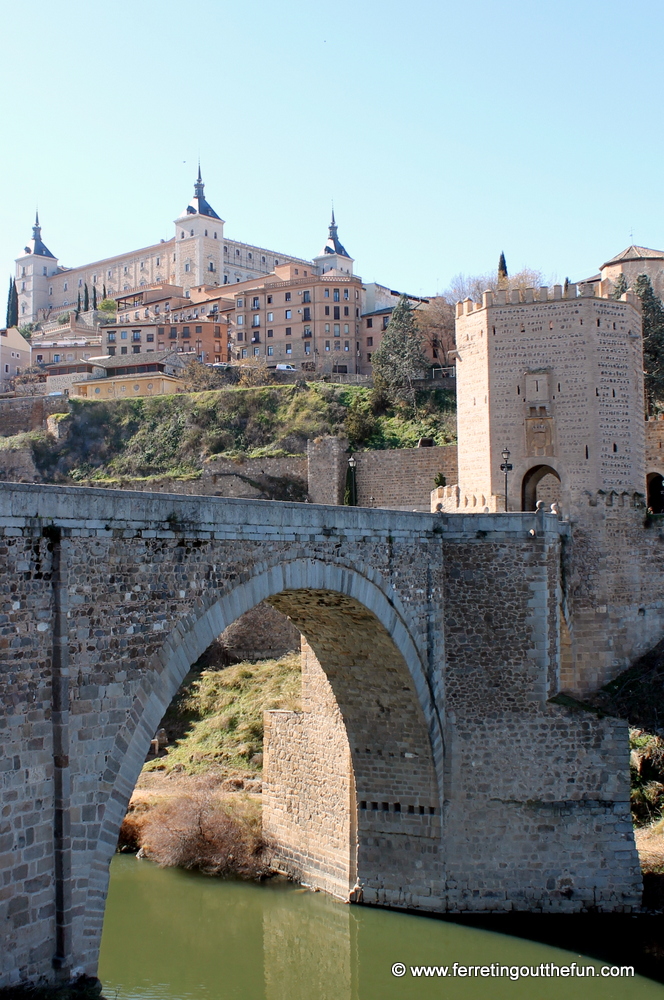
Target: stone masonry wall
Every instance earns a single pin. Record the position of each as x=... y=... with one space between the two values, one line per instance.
x=564 y=846
x=403 y=478
x=309 y=803
x=28 y=413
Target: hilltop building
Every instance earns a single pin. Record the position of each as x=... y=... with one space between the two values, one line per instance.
x=631 y=263
x=14 y=356
x=281 y=308
x=197 y=253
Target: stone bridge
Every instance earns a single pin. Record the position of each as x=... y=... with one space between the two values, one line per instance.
x=435 y=639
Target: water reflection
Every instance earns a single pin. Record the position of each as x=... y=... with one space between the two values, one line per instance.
x=171 y=935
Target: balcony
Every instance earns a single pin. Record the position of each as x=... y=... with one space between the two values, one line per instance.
x=256 y=339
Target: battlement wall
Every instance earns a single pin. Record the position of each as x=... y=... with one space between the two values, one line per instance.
x=555 y=293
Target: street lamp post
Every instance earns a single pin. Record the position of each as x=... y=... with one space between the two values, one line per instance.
x=505 y=468
x=352 y=482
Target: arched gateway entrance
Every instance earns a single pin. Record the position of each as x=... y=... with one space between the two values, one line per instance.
x=540 y=483
x=655 y=491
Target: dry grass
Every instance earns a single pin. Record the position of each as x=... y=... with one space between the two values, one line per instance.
x=199 y=828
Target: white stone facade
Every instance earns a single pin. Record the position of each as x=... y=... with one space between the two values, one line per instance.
x=197 y=254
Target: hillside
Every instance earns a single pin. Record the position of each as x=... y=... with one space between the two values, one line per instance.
x=175 y=435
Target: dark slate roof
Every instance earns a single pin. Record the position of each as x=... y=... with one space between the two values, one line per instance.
x=173 y=358
x=35 y=245
x=332 y=244
x=635 y=253
x=198 y=204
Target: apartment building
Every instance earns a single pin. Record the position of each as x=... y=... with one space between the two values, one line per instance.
x=14 y=356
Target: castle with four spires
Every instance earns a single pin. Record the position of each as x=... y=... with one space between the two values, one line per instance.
x=197 y=254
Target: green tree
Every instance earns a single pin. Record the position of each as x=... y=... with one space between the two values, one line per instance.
x=103 y=293
x=12 y=304
x=27 y=330
x=653 y=341
x=94 y=297
x=400 y=359
x=620 y=287
x=502 y=269
x=86 y=298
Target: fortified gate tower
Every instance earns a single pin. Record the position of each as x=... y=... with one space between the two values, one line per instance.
x=557 y=380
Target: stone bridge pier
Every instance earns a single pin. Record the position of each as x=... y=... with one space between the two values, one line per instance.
x=428 y=769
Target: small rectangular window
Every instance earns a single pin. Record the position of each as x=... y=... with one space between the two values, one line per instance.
x=288 y=331
x=369 y=341
x=327 y=293
x=327 y=310
x=173 y=333
x=270 y=317
x=327 y=345
x=288 y=314
x=270 y=333
x=346 y=311
x=150 y=338
x=306 y=296
x=289 y=348
x=270 y=351
x=287 y=297
x=199 y=329
x=336 y=295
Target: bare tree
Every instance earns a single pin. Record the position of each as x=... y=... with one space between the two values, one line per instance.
x=464 y=286
x=435 y=321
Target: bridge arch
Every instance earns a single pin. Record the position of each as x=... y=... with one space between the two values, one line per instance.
x=386 y=678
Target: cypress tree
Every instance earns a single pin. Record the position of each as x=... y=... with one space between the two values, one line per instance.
x=78 y=306
x=104 y=292
x=653 y=340
x=86 y=298
x=14 y=308
x=94 y=297
x=502 y=269
x=8 y=319
x=620 y=287
x=566 y=285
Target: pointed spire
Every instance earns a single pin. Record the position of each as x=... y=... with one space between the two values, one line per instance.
x=332 y=244
x=36 y=246
x=198 y=205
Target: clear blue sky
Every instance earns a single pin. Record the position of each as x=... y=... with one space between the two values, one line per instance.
x=444 y=132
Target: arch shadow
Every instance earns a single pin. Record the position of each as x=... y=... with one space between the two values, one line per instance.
x=334 y=606
x=655 y=492
x=531 y=480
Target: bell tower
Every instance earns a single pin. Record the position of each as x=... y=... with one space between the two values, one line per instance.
x=33 y=270
x=199 y=234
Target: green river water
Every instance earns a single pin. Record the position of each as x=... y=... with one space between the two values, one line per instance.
x=175 y=935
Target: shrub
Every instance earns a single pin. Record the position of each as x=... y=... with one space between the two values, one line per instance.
x=200 y=831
